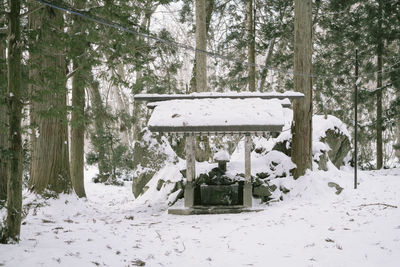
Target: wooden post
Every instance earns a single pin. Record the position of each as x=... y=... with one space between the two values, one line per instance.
x=355 y=122
x=247 y=189
x=190 y=170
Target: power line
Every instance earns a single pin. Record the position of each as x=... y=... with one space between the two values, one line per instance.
x=93 y=18
x=167 y=42
x=363 y=90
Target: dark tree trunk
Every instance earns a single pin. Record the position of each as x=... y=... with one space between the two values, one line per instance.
x=302 y=109
x=251 y=53
x=78 y=105
x=3 y=119
x=379 y=120
x=14 y=185
x=78 y=134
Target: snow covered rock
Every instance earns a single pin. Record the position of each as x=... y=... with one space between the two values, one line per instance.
x=151 y=154
x=335 y=139
x=339 y=146
x=331 y=141
x=262 y=191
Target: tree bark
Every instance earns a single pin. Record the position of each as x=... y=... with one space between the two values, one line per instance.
x=14 y=185
x=302 y=109
x=209 y=10
x=267 y=60
x=78 y=105
x=3 y=119
x=201 y=44
x=203 y=151
x=122 y=106
x=379 y=120
x=251 y=50
x=78 y=133
x=100 y=118
x=49 y=140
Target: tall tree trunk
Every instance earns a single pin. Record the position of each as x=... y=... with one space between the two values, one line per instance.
x=267 y=60
x=251 y=50
x=397 y=144
x=78 y=105
x=379 y=120
x=14 y=185
x=302 y=109
x=122 y=106
x=201 y=44
x=138 y=113
x=50 y=157
x=203 y=150
x=209 y=10
x=78 y=132
x=99 y=119
x=3 y=119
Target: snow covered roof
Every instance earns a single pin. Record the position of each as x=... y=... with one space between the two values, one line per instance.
x=233 y=95
x=220 y=115
x=284 y=102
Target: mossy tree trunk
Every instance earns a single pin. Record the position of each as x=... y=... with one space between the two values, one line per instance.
x=49 y=168
x=3 y=119
x=14 y=185
x=302 y=109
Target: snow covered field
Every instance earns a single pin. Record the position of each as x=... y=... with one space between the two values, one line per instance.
x=312 y=227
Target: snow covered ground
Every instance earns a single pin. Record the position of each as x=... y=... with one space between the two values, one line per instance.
x=312 y=227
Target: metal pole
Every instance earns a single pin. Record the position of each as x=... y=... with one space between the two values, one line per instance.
x=355 y=122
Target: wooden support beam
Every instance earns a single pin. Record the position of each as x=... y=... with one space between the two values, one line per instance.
x=247 y=160
x=247 y=189
x=153 y=105
x=190 y=170
x=190 y=158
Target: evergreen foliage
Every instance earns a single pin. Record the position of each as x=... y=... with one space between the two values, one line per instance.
x=346 y=25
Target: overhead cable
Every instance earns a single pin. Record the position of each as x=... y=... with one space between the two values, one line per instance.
x=93 y=18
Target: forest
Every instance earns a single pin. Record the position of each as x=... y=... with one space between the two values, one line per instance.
x=76 y=146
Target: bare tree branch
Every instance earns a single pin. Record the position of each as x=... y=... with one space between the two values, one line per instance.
x=32 y=11
x=379 y=204
x=71 y=73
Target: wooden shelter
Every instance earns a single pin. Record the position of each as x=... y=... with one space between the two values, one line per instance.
x=199 y=114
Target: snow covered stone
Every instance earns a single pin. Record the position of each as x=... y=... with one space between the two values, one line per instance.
x=331 y=141
x=151 y=154
x=222 y=155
